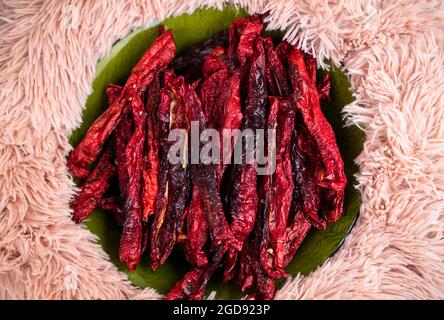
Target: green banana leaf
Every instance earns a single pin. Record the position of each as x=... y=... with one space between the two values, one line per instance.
x=190 y=30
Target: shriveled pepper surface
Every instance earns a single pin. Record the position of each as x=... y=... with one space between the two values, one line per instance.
x=395 y=63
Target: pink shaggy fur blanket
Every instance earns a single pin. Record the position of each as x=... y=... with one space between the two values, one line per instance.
x=395 y=60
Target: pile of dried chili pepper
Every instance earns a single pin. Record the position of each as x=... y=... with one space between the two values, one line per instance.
x=223 y=215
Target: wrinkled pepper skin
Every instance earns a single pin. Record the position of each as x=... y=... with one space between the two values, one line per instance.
x=93 y=188
x=112 y=93
x=131 y=238
x=178 y=183
x=306 y=164
x=244 y=197
x=112 y=204
x=163 y=186
x=122 y=136
x=295 y=234
x=151 y=157
x=280 y=190
x=157 y=57
x=192 y=285
x=197 y=231
x=214 y=62
x=242 y=35
x=251 y=271
x=332 y=177
x=324 y=88
x=277 y=78
x=205 y=177
x=220 y=95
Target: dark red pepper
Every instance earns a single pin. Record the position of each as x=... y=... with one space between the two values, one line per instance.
x=278 y=190
x=324 y=88
x=112 y=204
x=277 y=79
x=251 y=271
x=131 y=238
x=190 y=63
x=178 y=183
x=331 y=178
x=151 y=157
x=306 y=163
x=295 y=234
x=205 y=177
x=157 y=57
x=163 y=187
x=94 y=187
x=192 y=285
x=244 y=196
x=197 y=231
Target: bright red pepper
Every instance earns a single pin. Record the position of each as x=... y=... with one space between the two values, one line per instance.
x=332 y=177
x=157 y=57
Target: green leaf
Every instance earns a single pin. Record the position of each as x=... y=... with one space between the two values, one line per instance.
x=189 y=30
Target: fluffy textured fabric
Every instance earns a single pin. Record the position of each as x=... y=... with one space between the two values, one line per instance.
x=48 y=53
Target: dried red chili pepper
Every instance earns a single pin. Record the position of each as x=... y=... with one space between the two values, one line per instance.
x=178 y=188
x=151 y=159
x=157 y=57
x=162 y=192
x=251 y=271
x=190 y=62
x=332 y=178
x=324 y=88
x=310 y=65
x=192 y=285
x=131 y=238
x=324 y=85
x=277 y=79
x=197 y=231
x=93 y=188
x=242 y=36
x=204 y=176
x=295 y=234
x=220 y=95
x=215 y=61
x=231 y=120
x=112 y=93
x=112 y=204
x=306 y=163
x=244 y=196
x=278 y=190
x=122 y=135
x=211 y=95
